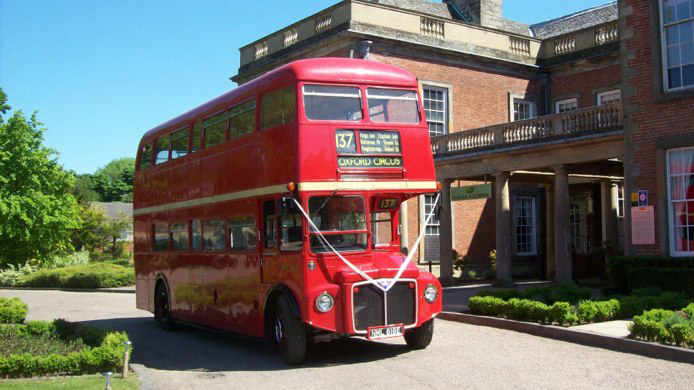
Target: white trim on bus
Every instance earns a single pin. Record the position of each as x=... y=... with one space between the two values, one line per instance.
x=305 y=186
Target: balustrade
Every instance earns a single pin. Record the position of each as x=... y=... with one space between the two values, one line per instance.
x=592 y=119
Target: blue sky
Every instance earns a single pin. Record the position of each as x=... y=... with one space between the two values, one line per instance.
x=102 y=72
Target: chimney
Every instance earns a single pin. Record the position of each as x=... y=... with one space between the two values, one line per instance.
x=483 y=12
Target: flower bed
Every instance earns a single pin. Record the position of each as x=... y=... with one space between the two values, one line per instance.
x=666 y=326
x=57 y=348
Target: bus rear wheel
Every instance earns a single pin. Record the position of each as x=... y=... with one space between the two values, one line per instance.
x=290 y=333
x=162 y=310
x=420 y=338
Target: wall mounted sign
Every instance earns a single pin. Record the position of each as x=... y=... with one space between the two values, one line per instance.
x=643 y=198
x=480 y=191
x=643 y=225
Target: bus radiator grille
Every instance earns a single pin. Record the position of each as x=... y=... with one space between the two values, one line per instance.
x=370 y=306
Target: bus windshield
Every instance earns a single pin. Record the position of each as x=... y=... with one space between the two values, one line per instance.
x=342 y=221
x=392 y=105
x=329 y=102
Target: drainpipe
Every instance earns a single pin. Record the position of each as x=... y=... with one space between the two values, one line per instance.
x=364 y=49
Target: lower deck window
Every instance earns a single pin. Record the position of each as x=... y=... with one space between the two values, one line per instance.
x=213 y=235
x=179 y=236
x=161 y=236
x=242 y=233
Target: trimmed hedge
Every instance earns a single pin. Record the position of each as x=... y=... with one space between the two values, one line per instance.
x=12 y=310
x=584 y=312
x=565 y=292
x=669 y=279
x=105 y=353
x=665 y=326
x=93 y=275
x=619 y=267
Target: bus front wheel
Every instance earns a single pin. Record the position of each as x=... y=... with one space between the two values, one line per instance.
x=420 y=338
x=162 y=310
x=290 y=333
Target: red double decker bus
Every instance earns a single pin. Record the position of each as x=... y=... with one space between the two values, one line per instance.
x=272 y=210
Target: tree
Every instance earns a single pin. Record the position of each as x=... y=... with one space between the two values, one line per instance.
x=37 y=210
x=114 y=182
x=99 y=234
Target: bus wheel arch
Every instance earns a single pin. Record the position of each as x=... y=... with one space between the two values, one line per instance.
x=284 y=327
x=162 y=304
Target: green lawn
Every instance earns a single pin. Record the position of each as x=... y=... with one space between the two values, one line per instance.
x=95 y=381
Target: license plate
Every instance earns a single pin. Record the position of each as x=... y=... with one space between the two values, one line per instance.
x=381 y=332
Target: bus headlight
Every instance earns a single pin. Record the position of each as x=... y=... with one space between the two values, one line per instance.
x=324 y=302
x=430 y=293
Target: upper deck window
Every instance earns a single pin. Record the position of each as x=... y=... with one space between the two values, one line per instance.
x=242 y=119
x=278 y=108
x=146 y=155
x=334 y=103
x=215 y=128
x=179 y=143
x=162 y=150
x=392 y=105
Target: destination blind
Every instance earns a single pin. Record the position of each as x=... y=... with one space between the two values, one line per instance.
x=380 y=146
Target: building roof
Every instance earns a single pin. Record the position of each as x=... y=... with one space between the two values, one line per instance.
x=112 y=209
x=423 y=6
x=576 y=21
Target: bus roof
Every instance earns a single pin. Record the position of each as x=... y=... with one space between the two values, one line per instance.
x=328 y=70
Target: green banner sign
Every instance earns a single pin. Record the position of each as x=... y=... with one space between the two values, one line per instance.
x=481 y=191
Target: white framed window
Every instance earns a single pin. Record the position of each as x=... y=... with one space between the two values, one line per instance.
x=435 y=101
x=434 y=225
x=609 y=97
x=677 y=43
x=680 y=171
x=523 y=109
x=524 y=225
x=565 y=105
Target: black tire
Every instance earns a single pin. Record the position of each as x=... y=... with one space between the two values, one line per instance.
x=420 y=338
x=162 y=312
x=289 y=332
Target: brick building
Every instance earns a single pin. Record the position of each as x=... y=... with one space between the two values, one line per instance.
x=657 y=49
x=533 y=110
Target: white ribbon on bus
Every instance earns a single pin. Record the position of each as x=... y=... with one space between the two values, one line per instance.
x=325 y=242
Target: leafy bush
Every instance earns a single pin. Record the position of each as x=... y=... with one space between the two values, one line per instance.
x=569 y=292
x=95 y=275
x=12 y=310
x=664 y=326
x=542 y=294
x=689 y=310
x=504 y=294
x=647 y=292
x=679 y=280
x=488 y=306
x=75 y=258
x=620 y=266
x=74 y=357
x=12 y=274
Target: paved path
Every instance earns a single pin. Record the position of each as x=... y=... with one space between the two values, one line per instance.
x=461 y=356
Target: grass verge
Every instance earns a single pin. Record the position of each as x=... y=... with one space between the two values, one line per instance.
x=95 y=381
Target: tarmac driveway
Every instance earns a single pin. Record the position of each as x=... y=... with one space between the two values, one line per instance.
x=461 y=356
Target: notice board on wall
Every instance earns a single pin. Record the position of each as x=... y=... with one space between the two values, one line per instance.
x=642 y=225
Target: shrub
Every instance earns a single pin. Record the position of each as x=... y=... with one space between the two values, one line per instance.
x=586 y=311
x=569 y=292
x=607 y=310
x=95 y=275
x=12 y=310
x=620 y=266
x=560 y=312
x=504 y=294
x=647 y=292
x=689 y=310
x=543 y=294
x=488 y=306
x=105 y=356
x=681 y=333
x=11 y=275
x=671 y=300
x=669 y=279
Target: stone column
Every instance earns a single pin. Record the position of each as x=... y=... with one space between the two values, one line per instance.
x=503 y=230
x=446 y=235
x=608 y=204
x=404 y=233
x=562 y=244
x=549 y=229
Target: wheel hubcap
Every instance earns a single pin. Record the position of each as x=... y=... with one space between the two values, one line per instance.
x=278 y=329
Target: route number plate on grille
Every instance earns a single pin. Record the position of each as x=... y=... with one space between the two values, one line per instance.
x=381 y=332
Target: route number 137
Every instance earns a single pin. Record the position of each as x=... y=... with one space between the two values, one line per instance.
x=344 y=140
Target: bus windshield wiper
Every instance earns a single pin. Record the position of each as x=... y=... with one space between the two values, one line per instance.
x=325 y=202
